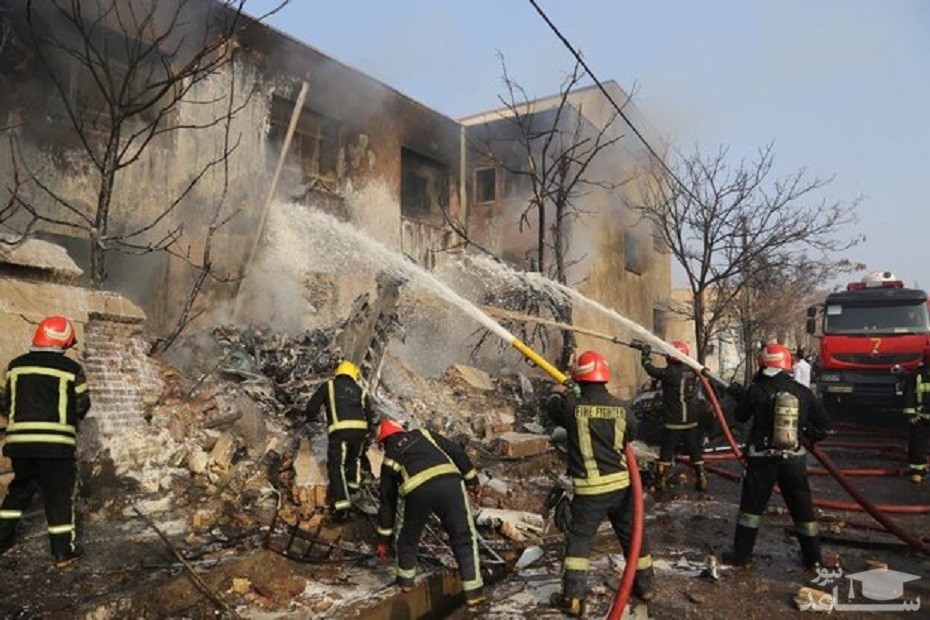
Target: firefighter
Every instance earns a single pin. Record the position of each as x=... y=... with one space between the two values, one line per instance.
x=423 y=473
x=349 y=419
x=598 y=429
x=784 y=413
x=917 y=413
x=679 y=384
x=44 y=400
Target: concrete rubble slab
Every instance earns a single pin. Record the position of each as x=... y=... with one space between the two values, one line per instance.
x=40 y=256
x=513 y=444
x=474 y=377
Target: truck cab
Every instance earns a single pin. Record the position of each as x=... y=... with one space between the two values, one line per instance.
x=867 y=330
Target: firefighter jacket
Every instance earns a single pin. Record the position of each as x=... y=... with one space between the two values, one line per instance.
x=44 y=399
x=758 y=403
x=347 y=405
x=917 y=393
x=679 y=384
x=412 y=459
x=598 y=428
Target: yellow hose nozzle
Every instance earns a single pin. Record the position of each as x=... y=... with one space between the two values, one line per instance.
x=540 y=361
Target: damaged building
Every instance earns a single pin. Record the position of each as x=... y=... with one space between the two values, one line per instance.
x=362 y=151
x=612 y=255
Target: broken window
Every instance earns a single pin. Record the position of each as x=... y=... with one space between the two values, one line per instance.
x=424 y=186
x=658 y=237
x=126 y=85
x=485 y=185
x=314 y=149
x=633 y=253
x=658 y=322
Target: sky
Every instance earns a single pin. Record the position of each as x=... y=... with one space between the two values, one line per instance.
x=840 y=86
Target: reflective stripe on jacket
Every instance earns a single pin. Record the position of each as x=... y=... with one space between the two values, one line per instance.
x=598 y=428
x=44 y=399
x=411 y=460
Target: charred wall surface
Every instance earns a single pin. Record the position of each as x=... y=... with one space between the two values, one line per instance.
x=353 y=155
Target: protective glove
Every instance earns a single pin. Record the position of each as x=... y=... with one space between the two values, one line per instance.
x=383 y=547
x=476 y=492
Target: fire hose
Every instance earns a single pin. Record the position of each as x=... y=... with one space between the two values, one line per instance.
x=636 y=539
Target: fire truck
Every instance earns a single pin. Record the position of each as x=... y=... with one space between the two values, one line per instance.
x=868 y=334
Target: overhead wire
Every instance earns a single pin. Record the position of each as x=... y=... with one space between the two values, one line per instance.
x=580 y=59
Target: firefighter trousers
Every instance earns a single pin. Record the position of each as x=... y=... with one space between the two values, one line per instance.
x=762 y=473
x=919 y=437
x=342 y=464
x=444 y=496
x=56 y=479
x=588 y=511
x=673 y=437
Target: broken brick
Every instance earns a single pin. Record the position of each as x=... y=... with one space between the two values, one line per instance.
x=514 y=444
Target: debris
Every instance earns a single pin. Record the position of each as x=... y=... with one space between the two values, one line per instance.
x=280 y=591
x=514 y=444
x=197 y=460
x=214 y=598
x=511 y=531
x=221 y=455
x=497 y=487
x=240 y=586
x=203 y=520
x=513 y=524
x=535 y=428
x=474 y=377
x=876 y=564
x=694 y=597
x=526 y=387
x=529 y=556
x=310 y=478
x=323 y=605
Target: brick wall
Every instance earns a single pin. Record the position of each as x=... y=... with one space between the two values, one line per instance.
x=120 y=377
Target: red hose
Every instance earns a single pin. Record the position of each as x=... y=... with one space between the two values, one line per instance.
x=636 y=540
x=858 y=445
x=831 y=504
x=858 y=473
x=718 y=412
x=912 y=509
x=874 y=511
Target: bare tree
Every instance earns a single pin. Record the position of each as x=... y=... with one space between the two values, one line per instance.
x=553 y=151
x=773 y=304
x=729 y=224
x=122 y=69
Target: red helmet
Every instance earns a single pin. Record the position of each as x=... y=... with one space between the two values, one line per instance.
x=775 y=355
x=388 y=428
x=54 y=331
x=591 y=367
x=682 y=346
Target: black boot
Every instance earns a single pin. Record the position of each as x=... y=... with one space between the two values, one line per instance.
x=700 y=479
x=568 y=605
x=810 y=551
x=644 y=585
x=661 y=471
x=743 y=542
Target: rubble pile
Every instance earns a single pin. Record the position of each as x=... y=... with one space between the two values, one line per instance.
x=276 y=369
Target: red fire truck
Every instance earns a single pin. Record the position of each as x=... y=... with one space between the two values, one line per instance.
x=867 y=330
